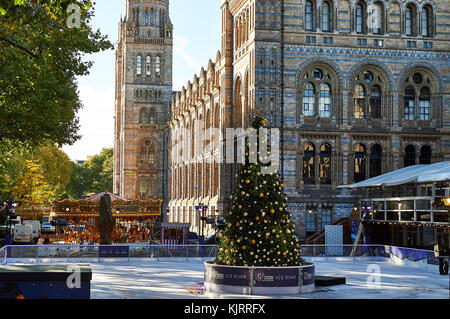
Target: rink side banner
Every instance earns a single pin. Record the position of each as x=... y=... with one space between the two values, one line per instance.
x=287 y=277
x=228 y=275
x=113 y=252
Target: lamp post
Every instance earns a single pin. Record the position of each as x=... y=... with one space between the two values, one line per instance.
x=201 y=208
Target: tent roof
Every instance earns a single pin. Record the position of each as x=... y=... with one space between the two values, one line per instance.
x=114 y=197
x=437 y=172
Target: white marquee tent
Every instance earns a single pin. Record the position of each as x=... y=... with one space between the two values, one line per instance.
x=437 y=172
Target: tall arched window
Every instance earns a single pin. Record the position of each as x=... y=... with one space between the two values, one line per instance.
x=360 y=163
x=146 y=17
x=152 y=16
x=139 y=65
x=410 y=156
x=308 y=99
x=324 y=100
x=325 y=164
x=418 y=97
x=426 y=21
x=410 y=20
x=410 y=103
x=368 y=93
x=424 y=103
x=309 y=170
x=375 y=102
x=317 y=92
x=147 y=153
x=360 y=20
x=326 y=18
x=148 y=65
x=309 y=16
x=377 y=18
x=425 y=155
x=375 y=160
x=158 y=66
x=359 y=98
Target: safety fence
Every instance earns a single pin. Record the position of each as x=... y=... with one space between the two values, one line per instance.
x=135 y=252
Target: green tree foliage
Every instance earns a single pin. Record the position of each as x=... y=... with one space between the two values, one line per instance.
x=94 y=176
x=40 y=58
x=259 y=231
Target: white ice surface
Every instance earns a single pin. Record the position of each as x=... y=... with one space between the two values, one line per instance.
x=147 y=280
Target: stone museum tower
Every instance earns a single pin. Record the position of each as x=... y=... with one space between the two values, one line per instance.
x=143 y=94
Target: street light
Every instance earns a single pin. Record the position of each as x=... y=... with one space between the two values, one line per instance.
x=200 y=208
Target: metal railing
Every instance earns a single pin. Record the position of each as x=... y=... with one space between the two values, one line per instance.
x=98 y=253
x=47 y=253
x=3 y=256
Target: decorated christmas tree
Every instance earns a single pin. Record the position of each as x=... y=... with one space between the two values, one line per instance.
x=259 y=231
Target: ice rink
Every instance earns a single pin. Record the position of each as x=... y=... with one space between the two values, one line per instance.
x=146 y=280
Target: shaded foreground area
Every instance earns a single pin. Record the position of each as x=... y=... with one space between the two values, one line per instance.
x=144 y=280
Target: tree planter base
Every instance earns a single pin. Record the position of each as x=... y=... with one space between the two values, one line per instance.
x=259 y=280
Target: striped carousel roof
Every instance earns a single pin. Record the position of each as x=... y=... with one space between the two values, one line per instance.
x=114 y=197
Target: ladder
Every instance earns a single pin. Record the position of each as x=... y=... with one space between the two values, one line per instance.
x=358 y=237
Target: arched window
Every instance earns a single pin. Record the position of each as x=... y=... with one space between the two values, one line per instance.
x=146 y=17
x=375 y=160
x=309 y=171
x=326 y=20
x=359 y=98
x=308 y=99
x=360 y=19
x=377 y=13
x=410 y=156
x=324 y=100
x=148 y=65
x=410 y=103
x=158 y=66
x=410 y=20
x=309 y=16
x=325 y=164
x=139 y=65
x=148 y=187
x=425 y=155
x=317 y=92
x=375 y=102
x=143 y=155
x=360 y=163
x=368 y=93
x=424 y=103
x=426 y=21
x=152 y=16
x=147 y=153
x=418 y=97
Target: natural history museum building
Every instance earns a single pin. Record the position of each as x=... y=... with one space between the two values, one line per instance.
x=356 y=89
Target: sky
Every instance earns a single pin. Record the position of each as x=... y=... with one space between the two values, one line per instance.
x=196 y=40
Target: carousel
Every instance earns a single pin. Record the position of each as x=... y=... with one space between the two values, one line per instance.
x=134 y=219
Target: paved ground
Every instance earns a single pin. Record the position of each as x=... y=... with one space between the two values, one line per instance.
x=184 y=280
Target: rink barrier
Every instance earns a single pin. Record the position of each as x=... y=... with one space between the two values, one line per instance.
x=145 y=252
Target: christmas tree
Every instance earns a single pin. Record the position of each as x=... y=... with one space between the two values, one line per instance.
x=259 y=231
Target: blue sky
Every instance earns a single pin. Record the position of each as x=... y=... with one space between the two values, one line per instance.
x=196 y=40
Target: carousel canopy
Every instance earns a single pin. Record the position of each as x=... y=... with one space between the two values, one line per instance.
x=114 y=197
x=424 y=173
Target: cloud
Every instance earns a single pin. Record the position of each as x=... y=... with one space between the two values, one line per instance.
x=180 y=45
